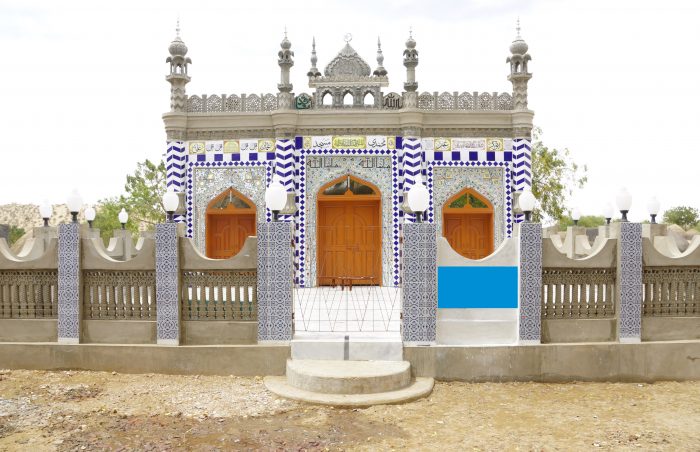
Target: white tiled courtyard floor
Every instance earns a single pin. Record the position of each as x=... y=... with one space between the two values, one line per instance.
x=364 y=309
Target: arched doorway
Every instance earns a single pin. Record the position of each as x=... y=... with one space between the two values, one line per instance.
x=230 y=219
x=349 y=233
x=467 y=224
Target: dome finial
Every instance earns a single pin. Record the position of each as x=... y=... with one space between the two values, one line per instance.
x=380 y=71
x=517 y=27
x=177 y=28
x=313 y=72
x=285 y=31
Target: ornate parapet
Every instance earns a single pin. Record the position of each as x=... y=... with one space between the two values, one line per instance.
x=232 y=102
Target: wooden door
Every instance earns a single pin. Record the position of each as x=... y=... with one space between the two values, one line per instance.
x=468 y=224
x=349 y=235
x=226 y=234
x=230 y=219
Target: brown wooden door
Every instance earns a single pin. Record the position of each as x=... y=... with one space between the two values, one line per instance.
x=230 y=220
x=469 y=234
x=349 y=242
x=467 y=219
x=226 y=234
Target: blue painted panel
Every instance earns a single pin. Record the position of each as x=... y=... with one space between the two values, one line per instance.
x=477 y=287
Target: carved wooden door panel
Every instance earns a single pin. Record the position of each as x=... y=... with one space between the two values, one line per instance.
x=349 y=242
x=226 y=234
x=471 y=235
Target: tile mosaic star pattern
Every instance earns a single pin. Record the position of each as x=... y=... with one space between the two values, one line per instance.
x=530 y=282
x=419 y=282
x=69 y=280
x=167 y=283
x=630 y=281
x=275 y=281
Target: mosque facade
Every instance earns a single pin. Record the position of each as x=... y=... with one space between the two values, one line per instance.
x=348 y=152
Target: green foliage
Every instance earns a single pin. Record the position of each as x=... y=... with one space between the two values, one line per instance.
x=145 y=190
x=107 y=218
x=586 y=221
x=685 y=217
x=14 y=234
x=554 y=177
x=143 y=201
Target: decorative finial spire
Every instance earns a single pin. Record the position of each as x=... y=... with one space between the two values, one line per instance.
x=380 y=71
x=285 y=31
x=517 y=28
x=313 y=72
x=177 y=29
x=178 y=78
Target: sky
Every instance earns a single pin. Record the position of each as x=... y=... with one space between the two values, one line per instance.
x=83 y=82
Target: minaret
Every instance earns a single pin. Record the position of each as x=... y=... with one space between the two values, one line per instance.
x=178 y=77
x=519 y=76
x=380 y=71
x=286 y=61
x=410 y=60
x=313 y=72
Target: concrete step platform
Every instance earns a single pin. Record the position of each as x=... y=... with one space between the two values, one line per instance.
x=348 y=377
x=419 y=388
x=349 y=383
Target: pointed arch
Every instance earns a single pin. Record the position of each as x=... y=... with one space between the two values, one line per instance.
x=230 y=219
x=348 y=186
x=467 y=223
x=348 y=98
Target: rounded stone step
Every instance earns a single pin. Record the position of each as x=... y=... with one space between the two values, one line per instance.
x=348 y=377
x=420 y=387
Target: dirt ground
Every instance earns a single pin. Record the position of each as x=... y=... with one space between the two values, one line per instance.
x=107 y=411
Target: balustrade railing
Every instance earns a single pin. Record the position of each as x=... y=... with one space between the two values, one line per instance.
x=31 y=294
x=219 y=295
x=671 y=291
x=234 y=103
x=120 y=295
x=578 y=293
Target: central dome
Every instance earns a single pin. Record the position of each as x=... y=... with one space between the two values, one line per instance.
x=347 y=63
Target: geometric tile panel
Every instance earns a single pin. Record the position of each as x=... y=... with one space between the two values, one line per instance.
x=275 y=281
x=522 y=167
x=530 y=281
x=69 y=283
x=419 y=282
x=413 y=157
x=630 y=281
x=175 y=164
x=167 y=284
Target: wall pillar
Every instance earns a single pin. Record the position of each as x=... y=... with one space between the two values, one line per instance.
x=530 y=325
x=629 y=282
x=69 y=284
x=175 y=167
x=419 y=294
x=275 y=281
x=167 y=284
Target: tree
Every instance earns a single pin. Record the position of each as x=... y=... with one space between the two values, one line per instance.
x=143 y=201
x=685 y=217
x=14 y=234
x=586 y=221
x=145 y=190
x=554 y=177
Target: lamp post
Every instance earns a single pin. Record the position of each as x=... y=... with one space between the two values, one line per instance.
x=418 y=198
x=275 y=197
x=608 y=212
x=45 y=210
x=170 y=202
x=527 y=203
x=75 y=202
x=575 y=215
x=624 y=202
x=90 y=215
x=123 y=218
x=653 y=207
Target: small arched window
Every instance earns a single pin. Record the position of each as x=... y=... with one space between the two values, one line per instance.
x=326 y=98
x=369 y=99
x=348 y=99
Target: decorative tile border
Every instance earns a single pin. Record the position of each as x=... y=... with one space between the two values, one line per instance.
x=630 y=282
x=522 y=167
x=175 y=163
x=302 y=261
x=530 y=283
x=275 y=281
x=167 y=284
x=419 y=294
x=69 y=283
x=508 y=202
